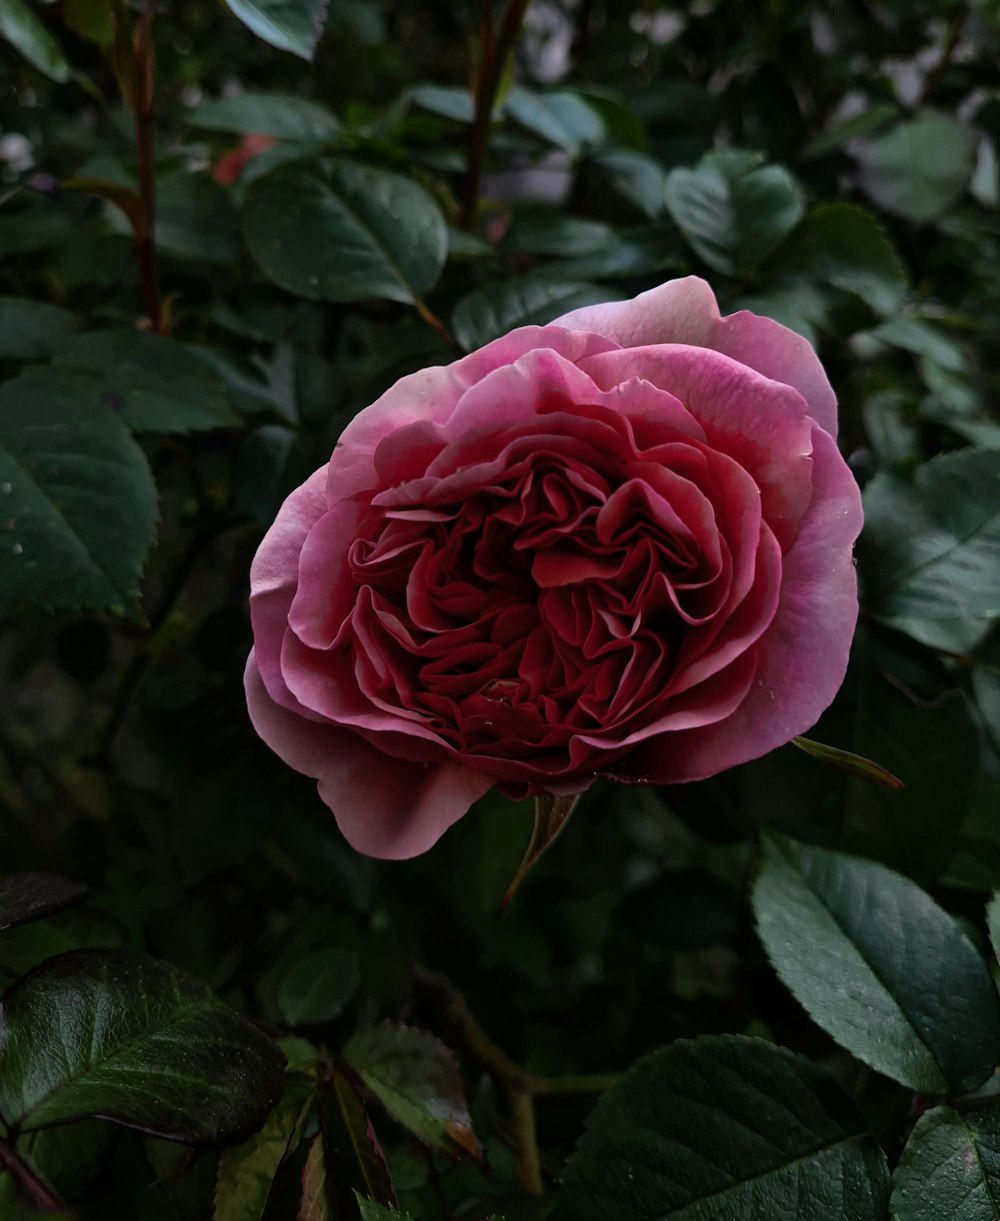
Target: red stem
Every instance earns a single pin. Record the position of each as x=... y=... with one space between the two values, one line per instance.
x=32 y=1186
x=488 y=82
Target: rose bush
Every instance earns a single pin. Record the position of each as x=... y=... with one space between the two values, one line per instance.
x=618 y=545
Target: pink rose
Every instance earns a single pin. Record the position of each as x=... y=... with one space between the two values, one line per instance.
x=618 y=545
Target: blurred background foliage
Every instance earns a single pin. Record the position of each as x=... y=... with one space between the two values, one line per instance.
x=831 y=164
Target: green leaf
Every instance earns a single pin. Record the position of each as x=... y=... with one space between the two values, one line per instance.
x=126 y=1038
x=548 y=231
x=353 y=1157
x=732 y=210
x=316 y=988
x=415 y=1077
x=342 y=231
x=640 y=179
x=635 y=252
x=289 y=25
x=32 y=330
x=921 y=167
x=153 y=383
x=282 y=115
x=246 y=1172
x=560 y=117
x=993 y=922
x=930 y=745
x=314 y=1203
x=26 y=33
x=77 y=500
x=32 y=896
x=879 y=966
x=845 y=246
x=91 y=19
x=498 y=308
x=82 y=928
x=446 y=101
x=950 y=1168
x=931 y=549
x=725 y=1127
x=864 y=124
x=370 y=1211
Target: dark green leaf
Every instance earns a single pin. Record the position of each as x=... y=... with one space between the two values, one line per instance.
x=732 y=210
x=415 y=1077
x=879 y=966
x=32 y=330
x=930 y=746
x=246 y=1172
x=448 y=101
x=560 y=117
x=536 y=231
x=80 y=929
x=153 y=383
x=91 y=19
x=846 y=247
x=635 y=252
x=950 y=1168
x=932 y=549
x=498 y=308
x=993 y=922
x=130 y=1039
x=636 y=177
x=26 y=33
x=370 y=1211
x=353 y=1156
x=289 y=25
x=282 y=115
x=316 y=988
x=77 y=501
x=31 y=896
x=919 y=168
x=724 y=1127
x=341 y=231
x=864 y=124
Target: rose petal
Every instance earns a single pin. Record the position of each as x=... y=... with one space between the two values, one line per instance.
x=274 y=577
x=430 y=397
x=385 y=807
x=685 y=311
x=756 y=421
x=802 y=658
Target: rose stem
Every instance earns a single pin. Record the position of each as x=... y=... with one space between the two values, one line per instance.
x=41 y=1196
x=494 y=57
x=520 y=1086
x=136 y=80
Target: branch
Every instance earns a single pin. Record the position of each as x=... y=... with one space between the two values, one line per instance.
x=37 y=1192
x=521 y=1087
x=495 y=55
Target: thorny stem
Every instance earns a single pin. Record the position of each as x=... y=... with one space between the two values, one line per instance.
x=37 y=1192
x=521 y=1087
x=495 y=53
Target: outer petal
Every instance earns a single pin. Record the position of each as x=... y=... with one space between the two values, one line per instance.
x=385 y=807
x=431 y=395
x=274 y=577
x=803 y=655
x=685 y=311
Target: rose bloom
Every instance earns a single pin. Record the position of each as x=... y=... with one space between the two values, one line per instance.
x=618 y=545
